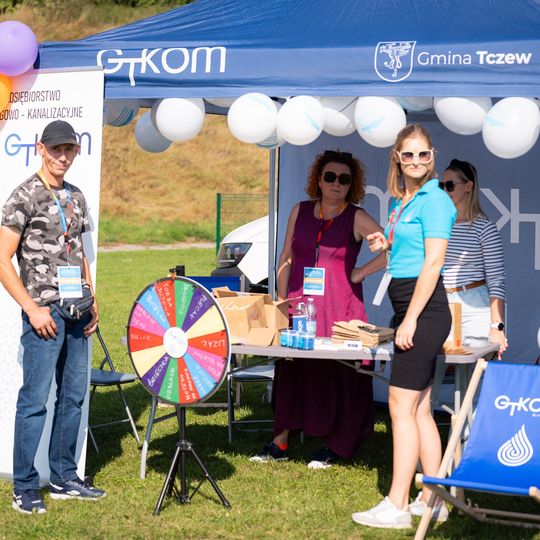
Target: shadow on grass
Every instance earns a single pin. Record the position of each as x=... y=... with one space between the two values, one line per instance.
x=107 y=406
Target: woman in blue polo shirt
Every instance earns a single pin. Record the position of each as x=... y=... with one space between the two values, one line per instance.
x=419 y=226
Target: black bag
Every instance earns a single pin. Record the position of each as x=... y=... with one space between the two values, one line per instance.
x=74 y=308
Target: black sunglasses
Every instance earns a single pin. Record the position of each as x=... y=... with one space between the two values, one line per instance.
x=330 y=177
x=449 y=185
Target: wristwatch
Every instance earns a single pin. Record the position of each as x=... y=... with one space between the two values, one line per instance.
x=497 y=325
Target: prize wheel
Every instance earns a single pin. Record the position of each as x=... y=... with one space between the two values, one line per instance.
x=178 y=341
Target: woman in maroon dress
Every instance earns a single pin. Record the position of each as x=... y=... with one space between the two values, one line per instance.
x=324 y=398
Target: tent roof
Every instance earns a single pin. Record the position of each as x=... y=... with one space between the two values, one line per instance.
x=318 y=47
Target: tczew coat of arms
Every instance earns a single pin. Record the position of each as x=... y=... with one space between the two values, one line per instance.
x=394 y=60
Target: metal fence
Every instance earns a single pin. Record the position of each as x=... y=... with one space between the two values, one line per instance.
x=235 y=209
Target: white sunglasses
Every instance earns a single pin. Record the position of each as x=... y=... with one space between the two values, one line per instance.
x=424 y=157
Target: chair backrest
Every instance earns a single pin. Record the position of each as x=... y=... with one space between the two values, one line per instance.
x=106 y=355
x=211 y=282
x=504 y=444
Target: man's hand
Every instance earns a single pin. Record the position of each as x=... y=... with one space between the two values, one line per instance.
x=91 y=327
x=42 y=322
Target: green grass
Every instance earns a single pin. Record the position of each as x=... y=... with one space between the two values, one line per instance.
x=268 y=500
x=117 y=230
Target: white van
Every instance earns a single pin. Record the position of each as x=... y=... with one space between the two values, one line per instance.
x=244 y=251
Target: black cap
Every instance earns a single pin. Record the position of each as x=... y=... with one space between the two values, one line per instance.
x=59 y=132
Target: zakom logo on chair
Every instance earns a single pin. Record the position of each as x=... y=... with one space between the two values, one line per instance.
x=517 y=450
x=394 y=60
x=522 y=404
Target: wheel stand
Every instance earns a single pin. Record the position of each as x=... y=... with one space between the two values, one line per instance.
x=178 y=466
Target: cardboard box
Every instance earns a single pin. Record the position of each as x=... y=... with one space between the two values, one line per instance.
x=454 y=338
x=253 y=318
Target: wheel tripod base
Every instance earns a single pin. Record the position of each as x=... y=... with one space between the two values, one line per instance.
x=179 y=462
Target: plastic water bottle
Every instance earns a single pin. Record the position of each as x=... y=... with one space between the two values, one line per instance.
x=299 y=317
x=311 y=315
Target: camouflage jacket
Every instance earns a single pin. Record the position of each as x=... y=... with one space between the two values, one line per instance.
x=32 y=211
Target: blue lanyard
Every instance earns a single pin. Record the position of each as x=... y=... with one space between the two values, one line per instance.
x=63 y=220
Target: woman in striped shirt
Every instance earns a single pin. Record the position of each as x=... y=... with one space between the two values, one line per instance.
x=474 y=265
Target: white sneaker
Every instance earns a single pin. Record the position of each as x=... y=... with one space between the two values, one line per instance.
x=440 y=510
x=314 y=464
x=385 y=516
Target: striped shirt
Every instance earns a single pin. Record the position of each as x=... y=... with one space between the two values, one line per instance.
x=474 y=253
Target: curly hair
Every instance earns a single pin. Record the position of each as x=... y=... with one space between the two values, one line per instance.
x=357 y=190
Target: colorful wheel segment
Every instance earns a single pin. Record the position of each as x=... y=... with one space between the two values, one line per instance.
x=178 y=341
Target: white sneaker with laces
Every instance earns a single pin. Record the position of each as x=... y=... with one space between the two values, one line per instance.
x=385 y=516
x=440 y=510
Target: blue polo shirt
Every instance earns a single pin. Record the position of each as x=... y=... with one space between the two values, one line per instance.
x=429 y=214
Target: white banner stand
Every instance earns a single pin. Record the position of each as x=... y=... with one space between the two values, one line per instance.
x=37 y=98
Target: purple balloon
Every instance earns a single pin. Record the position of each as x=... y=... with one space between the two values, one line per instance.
x=18 y=48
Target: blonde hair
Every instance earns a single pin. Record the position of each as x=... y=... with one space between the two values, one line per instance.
x=395 y=174
x=467 y=173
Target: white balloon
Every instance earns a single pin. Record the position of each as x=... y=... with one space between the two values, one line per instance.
x=300 y=120
x=416 y=103
x=338 y=115
x=252 y=117
x=148 y=137
x=273 y=141
x=379 y=120
x=462 y=115
x=224 y=103
x=119 y=112
x=179 y=119
x=511 y=127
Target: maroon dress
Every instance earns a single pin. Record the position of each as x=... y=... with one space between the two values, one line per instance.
x=324 y=398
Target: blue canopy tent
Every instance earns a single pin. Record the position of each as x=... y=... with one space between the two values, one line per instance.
x=282 y=48
x=318 y=47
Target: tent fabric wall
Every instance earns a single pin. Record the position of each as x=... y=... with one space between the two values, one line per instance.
x=509 y=195
x=317 y=47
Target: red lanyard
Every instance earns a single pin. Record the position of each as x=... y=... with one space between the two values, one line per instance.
x=325 y=225
x=393 y=223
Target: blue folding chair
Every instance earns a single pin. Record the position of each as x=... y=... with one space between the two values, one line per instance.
x=502 y=454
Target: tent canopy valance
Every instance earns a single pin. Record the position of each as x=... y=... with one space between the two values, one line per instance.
x=318 y=47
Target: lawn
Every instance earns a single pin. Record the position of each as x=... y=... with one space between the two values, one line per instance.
x=284 y=500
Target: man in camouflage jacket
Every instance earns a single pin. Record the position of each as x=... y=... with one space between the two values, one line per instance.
x=42 y=223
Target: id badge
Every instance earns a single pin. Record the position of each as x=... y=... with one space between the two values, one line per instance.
x=314 y=281
x=69 y=282
x=381 y=290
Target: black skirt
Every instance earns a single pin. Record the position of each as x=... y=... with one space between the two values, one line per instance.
x=414 y=369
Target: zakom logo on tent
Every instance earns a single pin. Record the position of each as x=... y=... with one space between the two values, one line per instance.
x=394 y=60
x=522 y=404
x=173 y=60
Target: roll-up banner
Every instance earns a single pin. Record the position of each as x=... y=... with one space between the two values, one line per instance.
x=37 y=98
